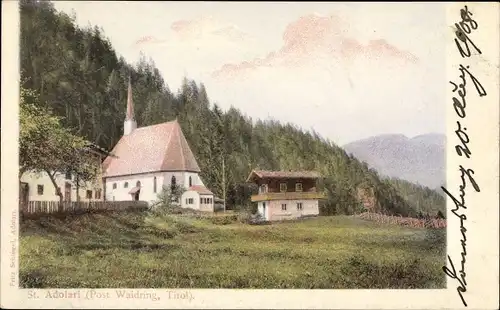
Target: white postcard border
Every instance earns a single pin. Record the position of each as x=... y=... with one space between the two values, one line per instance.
x=482 y=224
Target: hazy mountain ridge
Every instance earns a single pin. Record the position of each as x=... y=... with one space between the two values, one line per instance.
x=420 y=159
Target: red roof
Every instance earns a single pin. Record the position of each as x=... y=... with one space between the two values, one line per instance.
x=161 y=147
x=283 y=174
x=200 y=189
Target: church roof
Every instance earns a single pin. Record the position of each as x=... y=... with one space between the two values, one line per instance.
x=155 y=148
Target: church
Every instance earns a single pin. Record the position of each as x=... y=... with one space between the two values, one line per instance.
x=147 y=159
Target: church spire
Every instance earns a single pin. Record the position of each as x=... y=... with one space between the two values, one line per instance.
x=130 y=103
x=129 y=125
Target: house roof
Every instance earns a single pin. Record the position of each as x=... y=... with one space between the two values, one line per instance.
x=282 y=175
x=200 y=190
x=160 y=147
x=96 y=149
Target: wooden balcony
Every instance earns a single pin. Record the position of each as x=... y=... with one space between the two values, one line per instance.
x=287 y=196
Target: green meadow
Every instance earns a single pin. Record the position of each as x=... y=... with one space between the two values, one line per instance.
x=142 y=250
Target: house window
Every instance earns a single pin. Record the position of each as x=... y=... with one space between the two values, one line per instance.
x=98 y=194
x=125 y=185
x=282 y=187
x=190 y=201
x=263 y=188
x=114 y=185
x=68 y=175
x=283 y=207
x=298 y=187
x=89 y=194
x=40 y=189
x=202 y=200
x=299 y=206
x=154 y=185
x=190 y=182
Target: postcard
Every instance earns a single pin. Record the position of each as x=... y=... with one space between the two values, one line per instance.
x=260 y=155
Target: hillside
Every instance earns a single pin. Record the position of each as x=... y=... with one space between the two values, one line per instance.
x=80 y=76
x=419 y=160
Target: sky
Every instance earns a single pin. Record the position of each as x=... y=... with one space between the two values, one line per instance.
x=347 y=70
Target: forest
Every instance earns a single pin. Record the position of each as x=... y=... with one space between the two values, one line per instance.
x=77 y=74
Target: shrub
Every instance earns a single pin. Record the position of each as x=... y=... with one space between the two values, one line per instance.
x=224 y=219
x=185 y=227
x=218 y=207
x=166 y=202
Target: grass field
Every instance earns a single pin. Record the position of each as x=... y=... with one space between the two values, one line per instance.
x=138 y=250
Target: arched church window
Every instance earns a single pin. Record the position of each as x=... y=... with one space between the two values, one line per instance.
x=138 y=184
x=125 y=185
x=190 y=182
x=154 y=185
x=173 y=182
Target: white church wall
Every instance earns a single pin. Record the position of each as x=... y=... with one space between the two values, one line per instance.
x=195 y=179
x=167 y=178
x=181 y=178
x=121 y=193
x=148 y=193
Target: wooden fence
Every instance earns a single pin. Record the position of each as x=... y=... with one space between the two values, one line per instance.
x=404 y=221
x=34 y=207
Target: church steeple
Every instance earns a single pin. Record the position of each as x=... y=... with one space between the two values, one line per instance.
x=130 y=102
x=129 y=125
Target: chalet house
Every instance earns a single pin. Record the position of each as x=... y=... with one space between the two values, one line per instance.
x=147 y=159
x=286 y=194
x=37 y=186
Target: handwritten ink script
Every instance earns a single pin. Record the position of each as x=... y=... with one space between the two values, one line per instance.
x=464 y=43
x=464 y=28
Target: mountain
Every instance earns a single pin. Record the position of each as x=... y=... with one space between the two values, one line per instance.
x=79 y=75
x=420 y=160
